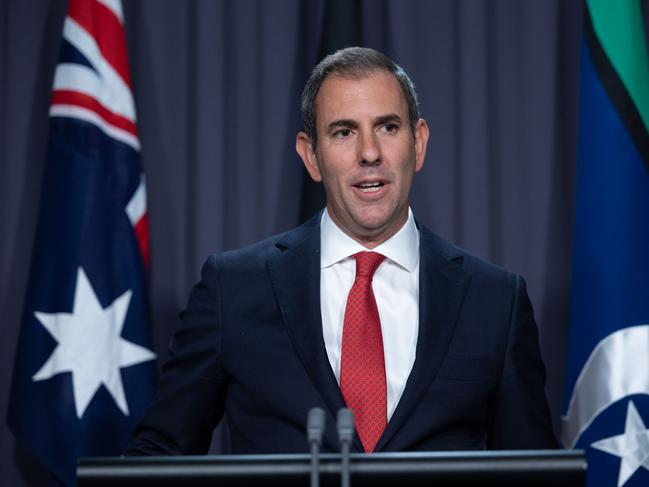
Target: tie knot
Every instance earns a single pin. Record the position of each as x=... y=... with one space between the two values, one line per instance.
x=367 y=263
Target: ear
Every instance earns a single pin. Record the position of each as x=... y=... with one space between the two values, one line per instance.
x=304 y=147
x=421 y=142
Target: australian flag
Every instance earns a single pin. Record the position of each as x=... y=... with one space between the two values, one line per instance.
x=84 y=370
x=607 y=400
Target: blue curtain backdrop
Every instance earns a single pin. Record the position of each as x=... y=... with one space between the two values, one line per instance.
x=216 y=86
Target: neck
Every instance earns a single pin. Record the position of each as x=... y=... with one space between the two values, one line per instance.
x=371 y=238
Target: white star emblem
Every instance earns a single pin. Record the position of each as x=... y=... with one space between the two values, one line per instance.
x=632 y=446
x=90 y=346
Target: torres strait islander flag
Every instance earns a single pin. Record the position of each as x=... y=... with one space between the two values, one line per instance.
x=84 y=371
x=607 y=400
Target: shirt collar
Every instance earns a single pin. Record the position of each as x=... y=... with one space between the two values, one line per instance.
x=402 y=248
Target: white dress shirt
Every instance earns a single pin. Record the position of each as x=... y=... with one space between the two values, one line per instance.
x=396 y=289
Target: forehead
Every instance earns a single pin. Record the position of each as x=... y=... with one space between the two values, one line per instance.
x=375 y=94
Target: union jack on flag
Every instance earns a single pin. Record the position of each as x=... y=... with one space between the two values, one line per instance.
x=84 y=371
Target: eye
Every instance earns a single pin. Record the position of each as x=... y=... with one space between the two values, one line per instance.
x=342 y=133
x=390 y=127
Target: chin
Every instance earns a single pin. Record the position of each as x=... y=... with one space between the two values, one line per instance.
x=372 y=226
x=376 y=218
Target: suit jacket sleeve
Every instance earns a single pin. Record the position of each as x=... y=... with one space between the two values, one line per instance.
x=520 y=417
x=190 y=399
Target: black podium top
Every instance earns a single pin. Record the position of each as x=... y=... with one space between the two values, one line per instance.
x=555 y=468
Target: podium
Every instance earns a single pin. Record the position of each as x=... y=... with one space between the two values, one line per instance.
x=530 y=468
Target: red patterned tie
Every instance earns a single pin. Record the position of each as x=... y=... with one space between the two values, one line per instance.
x=362 y=368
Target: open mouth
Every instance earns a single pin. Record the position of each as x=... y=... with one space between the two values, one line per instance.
x=370 y=187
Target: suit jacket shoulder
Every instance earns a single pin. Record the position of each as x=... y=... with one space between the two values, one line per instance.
x=472 y=265
x=254 y=256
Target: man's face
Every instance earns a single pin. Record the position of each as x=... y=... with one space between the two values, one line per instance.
x=366 y=154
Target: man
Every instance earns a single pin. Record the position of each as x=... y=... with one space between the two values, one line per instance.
x=431 y=348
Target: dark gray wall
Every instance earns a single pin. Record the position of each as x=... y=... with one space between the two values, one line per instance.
x=216 y=86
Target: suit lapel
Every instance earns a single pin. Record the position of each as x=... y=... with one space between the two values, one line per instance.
x=442 y=287
x=295 y=277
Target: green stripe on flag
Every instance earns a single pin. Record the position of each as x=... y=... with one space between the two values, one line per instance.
x=619 y=27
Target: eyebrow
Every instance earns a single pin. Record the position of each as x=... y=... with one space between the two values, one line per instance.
x=345 y=122
x=393 y=117
x=349 y=123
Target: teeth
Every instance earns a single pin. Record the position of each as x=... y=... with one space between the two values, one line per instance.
x=369 y=187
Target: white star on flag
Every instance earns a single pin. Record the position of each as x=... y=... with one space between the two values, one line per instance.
x=90 y=346
x=632 y=446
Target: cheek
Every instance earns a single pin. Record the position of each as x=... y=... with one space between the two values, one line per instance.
x=408 y=167
x=333 y=174
x=330 y=181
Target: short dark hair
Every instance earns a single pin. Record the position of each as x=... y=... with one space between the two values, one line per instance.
x=353 y=62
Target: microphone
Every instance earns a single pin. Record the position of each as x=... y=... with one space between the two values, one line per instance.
x=345 y=427
x=315 y=424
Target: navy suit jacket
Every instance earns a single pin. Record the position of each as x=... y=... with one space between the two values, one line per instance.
x=250 y=344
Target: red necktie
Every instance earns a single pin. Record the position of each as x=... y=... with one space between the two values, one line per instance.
x=362 y=368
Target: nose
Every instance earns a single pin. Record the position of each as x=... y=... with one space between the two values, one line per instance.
x=370 y=151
